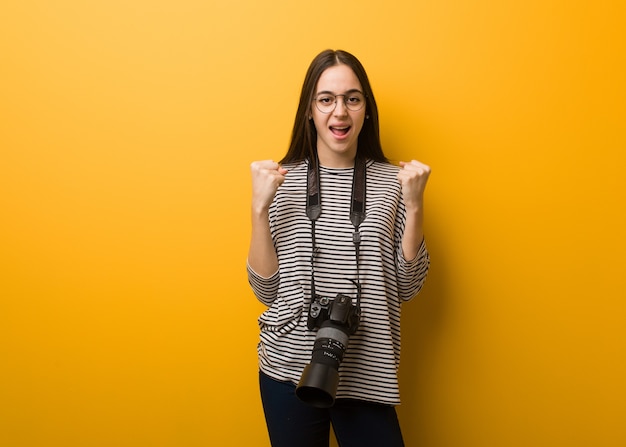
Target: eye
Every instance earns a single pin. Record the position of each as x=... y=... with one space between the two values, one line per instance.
x=325 y=99
x=355 y=99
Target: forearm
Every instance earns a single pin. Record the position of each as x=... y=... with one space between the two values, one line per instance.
x=267 y=176
x=413 y=233
x=413 y=177
x=262 y=254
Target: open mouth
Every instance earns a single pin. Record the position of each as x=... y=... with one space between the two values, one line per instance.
x=340 y=131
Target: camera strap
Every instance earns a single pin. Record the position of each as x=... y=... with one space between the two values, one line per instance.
x=357 y=214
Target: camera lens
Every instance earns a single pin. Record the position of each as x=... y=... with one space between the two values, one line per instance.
x=329 y=346
x=318 y=384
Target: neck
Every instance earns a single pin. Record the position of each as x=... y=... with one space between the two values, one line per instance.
x=336 y=161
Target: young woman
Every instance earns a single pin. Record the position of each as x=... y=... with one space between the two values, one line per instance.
x=335 y=219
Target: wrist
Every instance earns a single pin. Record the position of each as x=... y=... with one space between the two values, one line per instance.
x=260 y=212
x=414 y=210
x=414 y=203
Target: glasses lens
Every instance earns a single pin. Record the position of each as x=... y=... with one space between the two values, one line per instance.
x=354 y=101
x=325 y=103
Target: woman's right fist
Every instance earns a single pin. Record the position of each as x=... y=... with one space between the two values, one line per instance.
x=267 y=176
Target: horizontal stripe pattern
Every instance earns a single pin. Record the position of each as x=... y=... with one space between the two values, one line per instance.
x=369 y=368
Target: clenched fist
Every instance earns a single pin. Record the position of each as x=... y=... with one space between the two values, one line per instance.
x=267 y=176
x=413 y=176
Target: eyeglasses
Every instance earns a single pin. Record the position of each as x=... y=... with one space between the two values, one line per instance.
x=326 y=102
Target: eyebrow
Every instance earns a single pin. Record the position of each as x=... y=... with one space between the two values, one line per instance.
x=354 y=90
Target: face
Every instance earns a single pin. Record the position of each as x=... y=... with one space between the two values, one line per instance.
x=338 y=131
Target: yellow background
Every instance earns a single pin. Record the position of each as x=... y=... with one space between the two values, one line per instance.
x=126 y=132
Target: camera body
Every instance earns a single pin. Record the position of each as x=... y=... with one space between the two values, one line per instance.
x=339 y=311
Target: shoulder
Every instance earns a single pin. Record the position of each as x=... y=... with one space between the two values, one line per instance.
x=295 y=179
x=295 y=171
x=382 y=168
x=296 y=166
x=382 y=173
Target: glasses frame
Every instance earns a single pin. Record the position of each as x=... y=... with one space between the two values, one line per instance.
x=345 y=95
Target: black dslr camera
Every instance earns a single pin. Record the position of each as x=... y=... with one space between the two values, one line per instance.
x=340 y=310
x=335 y=320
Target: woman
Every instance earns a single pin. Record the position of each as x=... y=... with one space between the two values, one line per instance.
x=315 y=238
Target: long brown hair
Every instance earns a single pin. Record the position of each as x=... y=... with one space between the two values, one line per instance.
x=304 y=136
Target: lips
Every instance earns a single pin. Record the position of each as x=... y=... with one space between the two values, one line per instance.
x=340 y=131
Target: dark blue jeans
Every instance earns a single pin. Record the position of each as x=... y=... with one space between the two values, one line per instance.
x=292 y=423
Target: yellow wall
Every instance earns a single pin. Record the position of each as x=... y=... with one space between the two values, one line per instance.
x=126 y=132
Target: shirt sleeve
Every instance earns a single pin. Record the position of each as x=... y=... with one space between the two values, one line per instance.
x=265 y=289
x=412 y=274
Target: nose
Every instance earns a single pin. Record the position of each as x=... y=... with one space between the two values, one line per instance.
x=340 y=105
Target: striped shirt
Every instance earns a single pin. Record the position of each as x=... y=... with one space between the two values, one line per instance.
x=369 y=368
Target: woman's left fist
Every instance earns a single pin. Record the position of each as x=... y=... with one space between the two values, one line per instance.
x=413 y=176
